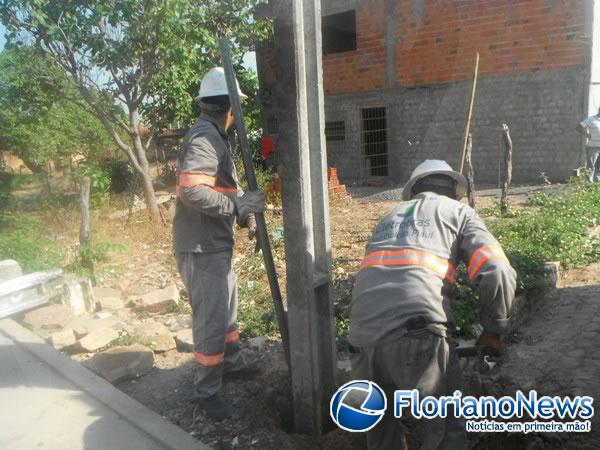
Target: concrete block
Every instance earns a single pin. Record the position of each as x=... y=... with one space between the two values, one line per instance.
x=51 y=317
x=108 y=298
x=122 y=363
x=9 y=269
x=185 y=341
x=160 y=300
x=30 y=291
x=78 y=295
x=156 y=335
x=95 y=340
x=62 y=339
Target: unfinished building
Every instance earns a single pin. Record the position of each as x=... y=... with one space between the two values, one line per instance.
x=397 y=79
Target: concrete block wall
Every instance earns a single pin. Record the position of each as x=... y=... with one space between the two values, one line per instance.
x=541 y=109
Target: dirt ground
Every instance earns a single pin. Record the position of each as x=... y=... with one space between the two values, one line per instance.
x=555 y=350
x=556 y=353
x=263 y=410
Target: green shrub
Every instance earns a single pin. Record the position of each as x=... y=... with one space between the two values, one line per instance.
x=550 y=228
x=257 y=317
x=26 y=241
x=101 y=183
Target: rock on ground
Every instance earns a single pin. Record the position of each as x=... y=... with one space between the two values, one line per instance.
x=122 y=363
x=62 y=339
x=185 y=341
x=179 y=322
x=258 y=342
x=160 y=300
x=85 y=325
x=156 y=335
x=51 y=317
x=108 y=298
x=96 y=339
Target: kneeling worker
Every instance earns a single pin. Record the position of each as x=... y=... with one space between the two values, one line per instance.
x=400 y=310
x=209 y=202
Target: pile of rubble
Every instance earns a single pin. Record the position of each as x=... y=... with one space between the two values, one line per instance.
x=113 y=334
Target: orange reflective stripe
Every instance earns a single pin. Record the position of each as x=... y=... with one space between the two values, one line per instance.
x=411 y=258
x=195 y=178
x=483 y=255
x=214 y=188
x=209 y=360
x=191 y=179
x=223 y=189
x=232 y=336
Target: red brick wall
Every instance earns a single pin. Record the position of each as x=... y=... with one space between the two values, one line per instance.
x=362 y=69
x=511 y=36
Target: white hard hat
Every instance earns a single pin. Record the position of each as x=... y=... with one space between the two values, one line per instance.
x=214 y=84
x=435 y=167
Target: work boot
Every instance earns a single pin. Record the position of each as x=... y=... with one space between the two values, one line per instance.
x=215 y=407
x=249 y=371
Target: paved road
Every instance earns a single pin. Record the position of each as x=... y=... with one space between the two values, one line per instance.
x=48 y=401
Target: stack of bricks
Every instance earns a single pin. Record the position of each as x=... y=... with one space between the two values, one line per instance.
x=273 y=190
x=336 y=190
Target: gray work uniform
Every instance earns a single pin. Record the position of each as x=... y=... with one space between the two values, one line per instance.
x=203 y=230
x=592 y=149
x=592 y=163
x=400 y=308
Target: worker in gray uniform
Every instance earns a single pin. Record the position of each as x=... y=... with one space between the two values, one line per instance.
x=400 y=310
x=209 y=203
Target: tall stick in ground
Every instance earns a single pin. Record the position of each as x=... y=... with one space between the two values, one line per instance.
x=84 y=228
x=507 y=175
x=470 y=172
x=461 y=163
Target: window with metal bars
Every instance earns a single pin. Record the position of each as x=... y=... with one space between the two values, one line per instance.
x=374 y=142
x=335 y=131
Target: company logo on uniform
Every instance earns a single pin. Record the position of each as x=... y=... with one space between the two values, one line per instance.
x=408 y=212
x=358 y=405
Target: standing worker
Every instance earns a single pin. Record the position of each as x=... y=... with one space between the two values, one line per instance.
x=209 y=202
x=400 y=311
x=590 y=128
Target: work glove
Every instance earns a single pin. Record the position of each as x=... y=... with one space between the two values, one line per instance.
x=491 y=344
x=250 y=202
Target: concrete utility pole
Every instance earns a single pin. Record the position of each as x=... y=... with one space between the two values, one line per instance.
x=299 y=98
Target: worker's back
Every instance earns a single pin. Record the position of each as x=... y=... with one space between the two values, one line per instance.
x=409 y=267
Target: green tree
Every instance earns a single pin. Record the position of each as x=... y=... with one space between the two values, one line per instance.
x=148 y=55
x=37 y=121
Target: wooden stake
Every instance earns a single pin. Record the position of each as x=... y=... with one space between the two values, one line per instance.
x=84 y=207
x=507 y=175
x=84 y=228
x=469 y=115
x=470 y=173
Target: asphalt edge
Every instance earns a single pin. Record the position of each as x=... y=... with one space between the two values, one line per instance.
x=138 y=415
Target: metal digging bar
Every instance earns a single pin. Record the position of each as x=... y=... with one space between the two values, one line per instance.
x=261 y=226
